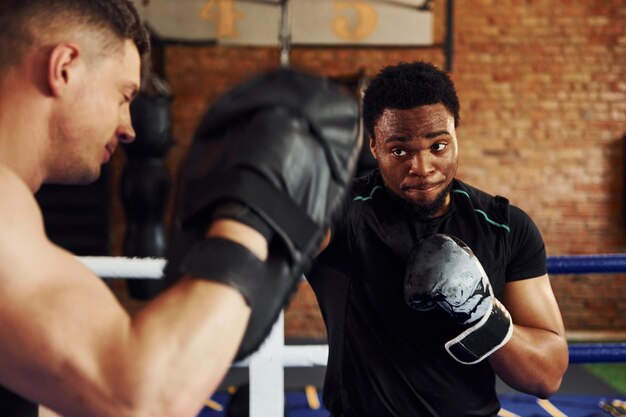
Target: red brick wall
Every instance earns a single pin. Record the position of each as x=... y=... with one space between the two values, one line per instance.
x=543 y=96
x=543 y=107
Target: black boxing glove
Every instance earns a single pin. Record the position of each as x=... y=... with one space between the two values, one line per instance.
x=276 y=153
x=443 y=272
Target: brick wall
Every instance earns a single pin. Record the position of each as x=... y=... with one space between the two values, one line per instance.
x=543 y=107
x=543 y=98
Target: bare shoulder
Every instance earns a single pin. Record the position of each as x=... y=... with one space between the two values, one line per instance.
x=23 y=235
x=27 y=257
x=54 y=312
x=18 y=207
x=15 y=194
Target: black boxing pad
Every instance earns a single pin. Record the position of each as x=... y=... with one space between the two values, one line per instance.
x=276 y=132
x=276 y=153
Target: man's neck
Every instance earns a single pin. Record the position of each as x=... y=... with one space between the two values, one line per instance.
x=22 y=133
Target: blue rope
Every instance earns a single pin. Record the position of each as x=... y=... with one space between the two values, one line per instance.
x=597 y=352
x=587 y=264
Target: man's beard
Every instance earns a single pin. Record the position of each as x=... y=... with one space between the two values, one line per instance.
x=429 y=210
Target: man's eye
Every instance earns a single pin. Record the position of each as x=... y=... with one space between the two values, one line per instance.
x=398 y=152
x=438 y=147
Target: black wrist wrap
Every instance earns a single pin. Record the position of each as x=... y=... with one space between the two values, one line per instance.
x=483 y=338
x=266 y=286
x=224 y=261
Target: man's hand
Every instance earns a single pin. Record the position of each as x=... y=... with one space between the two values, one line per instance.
x=443 y=272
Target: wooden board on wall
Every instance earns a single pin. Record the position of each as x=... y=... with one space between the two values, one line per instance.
x=312 y=22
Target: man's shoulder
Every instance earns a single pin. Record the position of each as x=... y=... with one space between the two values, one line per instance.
x=363 y=191
x=495 y=209
x=478 y=197
x=364 y=188
x=462 y=187
x=12 y=186
x=492 y=205
x=17 y=203
x=11 y=183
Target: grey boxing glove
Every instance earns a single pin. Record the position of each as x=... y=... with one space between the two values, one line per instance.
x=443 y=272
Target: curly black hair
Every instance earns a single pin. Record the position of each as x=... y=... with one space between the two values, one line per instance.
x=405 y=86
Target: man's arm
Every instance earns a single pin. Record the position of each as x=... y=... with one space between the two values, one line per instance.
x=271 y=162
x=66 y=342
x=536 y=357
x=522 y=336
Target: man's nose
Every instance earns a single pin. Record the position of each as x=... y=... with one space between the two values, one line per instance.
x=421 y=165
x=125 y=132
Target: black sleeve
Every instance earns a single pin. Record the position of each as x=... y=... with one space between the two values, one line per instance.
x=527 y=250
x=335 y=256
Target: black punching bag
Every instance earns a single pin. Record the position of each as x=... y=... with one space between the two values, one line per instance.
x=145 y=183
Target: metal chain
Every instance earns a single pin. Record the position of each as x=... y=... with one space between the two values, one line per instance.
x=284 y=34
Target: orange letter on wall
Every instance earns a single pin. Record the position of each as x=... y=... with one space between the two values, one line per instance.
x=366 y=20
x=225 y=16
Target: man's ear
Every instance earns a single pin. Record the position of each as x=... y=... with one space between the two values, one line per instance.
x=373 y=146
x=62 y=66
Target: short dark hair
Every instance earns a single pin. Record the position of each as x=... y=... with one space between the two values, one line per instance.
x=22 y=22
x=405 y=86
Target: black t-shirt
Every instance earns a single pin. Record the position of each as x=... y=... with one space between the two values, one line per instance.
x=15 y=406
x=386 y=359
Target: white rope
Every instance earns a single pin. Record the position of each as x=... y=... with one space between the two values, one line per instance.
x=267 y=364
x=287 y=356
x=297 y=356
x=120 y=267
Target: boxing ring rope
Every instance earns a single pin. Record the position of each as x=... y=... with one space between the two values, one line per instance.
x=127 y=268
x=587 y=264
x=152 y=268
x=266 y=366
